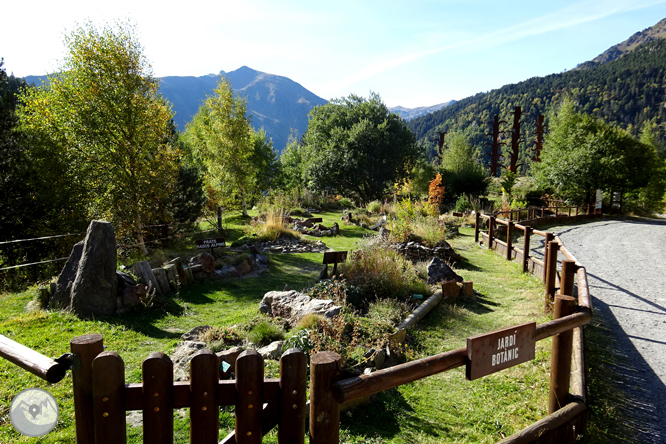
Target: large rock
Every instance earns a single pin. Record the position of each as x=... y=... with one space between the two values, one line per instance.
x=293 y=305
x=94 y=290
x=206 y=260
x=162 y=280
x=272 y=351
x=182 y=356
x=129 y=292
x=439 y=271
x=62 y=296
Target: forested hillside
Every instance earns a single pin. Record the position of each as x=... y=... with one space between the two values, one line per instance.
x=628 y=91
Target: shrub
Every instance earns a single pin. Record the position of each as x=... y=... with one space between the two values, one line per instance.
x=381 y=273
x=375 y=207
x=263 y=333
x=463 y=204
x=311 y=321
x=346 y=203
x=388 y=310
x=336 y=290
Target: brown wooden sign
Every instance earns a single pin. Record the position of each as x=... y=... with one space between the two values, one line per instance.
x=334 y=257
x=491 y=352
x=210 y=243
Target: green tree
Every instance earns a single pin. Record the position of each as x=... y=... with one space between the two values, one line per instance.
x=356 y=147
x=461 y=171
x=222 y=140
x=582 y=154
x=103 y=115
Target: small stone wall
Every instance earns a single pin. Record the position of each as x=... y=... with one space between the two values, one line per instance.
x=416 y=252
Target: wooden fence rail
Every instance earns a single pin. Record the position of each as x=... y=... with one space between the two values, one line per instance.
x=102 y=398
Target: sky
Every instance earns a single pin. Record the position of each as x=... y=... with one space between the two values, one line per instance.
x=411 y=52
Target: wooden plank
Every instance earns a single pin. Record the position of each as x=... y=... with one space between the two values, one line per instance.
x=249 y=397
x=293 y=385
x=204 y=412
x=157 y=399
x=108 y=393
x=226 y=394
x=325 y=368
x=334 y=257
x=31 y=360
x=498 y=350
x=210 y=243
x=86 y=348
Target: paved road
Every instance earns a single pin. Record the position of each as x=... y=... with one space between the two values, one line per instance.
x=626 y=264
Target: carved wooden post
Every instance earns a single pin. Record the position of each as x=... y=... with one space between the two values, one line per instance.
x=509 y=240
x=85 y=348
x=560 y=369
x=526 y=249
x=551 y=272
x=324 y=409
x=477 y=227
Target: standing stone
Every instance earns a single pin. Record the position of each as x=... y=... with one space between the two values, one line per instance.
x=172 y=276
x=182 y=275
x=162 y=280
x=95 y=287
x=62 y=296
x=145 y=274
x=439 y=271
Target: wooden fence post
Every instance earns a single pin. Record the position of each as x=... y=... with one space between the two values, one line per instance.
x=249 y=397
x=157 y=399
x=526 y=249
x=551 y=272
x=549 y=237
x=477 y=226
x=85 y=348
x=204 y=408
x=491 y=225
x=569 y=211
x=569 y=269
x=293 y=383
x=324 y=409
x=509 y=240
x=108 y=382
x=560 y=369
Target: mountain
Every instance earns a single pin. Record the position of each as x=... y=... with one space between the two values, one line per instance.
x=627 y=91
x=653 y=33
x=275 y=103
x=412 y=113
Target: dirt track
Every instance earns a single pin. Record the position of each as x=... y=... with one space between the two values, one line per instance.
x=626 y=264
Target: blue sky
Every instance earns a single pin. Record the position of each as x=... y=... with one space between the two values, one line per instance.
x=413 y=53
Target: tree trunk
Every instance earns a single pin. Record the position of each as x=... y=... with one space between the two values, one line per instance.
x=139 y=236
x=244 y=201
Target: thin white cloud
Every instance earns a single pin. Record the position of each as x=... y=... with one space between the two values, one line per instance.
x=574 y=15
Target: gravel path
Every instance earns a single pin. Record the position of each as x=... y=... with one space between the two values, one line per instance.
x=626 y=264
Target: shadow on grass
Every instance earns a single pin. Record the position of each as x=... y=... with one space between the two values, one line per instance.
x=386 y=416
x=142 y=320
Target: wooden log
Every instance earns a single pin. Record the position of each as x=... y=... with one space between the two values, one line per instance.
x=204 y=410
x=249 y=397
x=423 y=309
x=450 y=289
x=157 y=399
x=584 y=299
x=293 y=385
x=467 y=289
x=325 y=368
x=85 y=348
x=551 y=328
x=560 y=368
x=532 y=433
x=108 y=393
x=364 y=385
x=477 y=226
x=32 y=361
x=568 y=273
x=509 y=240
x=526 y=248
x=550 y=274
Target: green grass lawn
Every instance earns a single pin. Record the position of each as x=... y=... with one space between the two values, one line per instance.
x=442 y=408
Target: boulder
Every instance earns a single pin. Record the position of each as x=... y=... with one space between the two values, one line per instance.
x=244 y=268
x=439 y=271
x=172 y=276
x=62 y=296
x=206 y=260
x=293 y=305
x=271 y=351
x=182 y=356
x=129 y=292
x=94 y=289
x=146 y=276
x=193 y=335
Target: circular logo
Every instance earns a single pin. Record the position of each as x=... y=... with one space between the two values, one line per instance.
x=34 y=412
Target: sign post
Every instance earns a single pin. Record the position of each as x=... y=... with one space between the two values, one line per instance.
x=210 y=243
x=491 y=352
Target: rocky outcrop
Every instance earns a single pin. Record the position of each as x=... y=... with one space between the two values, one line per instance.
x=416 y=252
x=292 y=305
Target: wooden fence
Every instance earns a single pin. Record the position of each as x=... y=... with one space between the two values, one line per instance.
x=102 y=398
